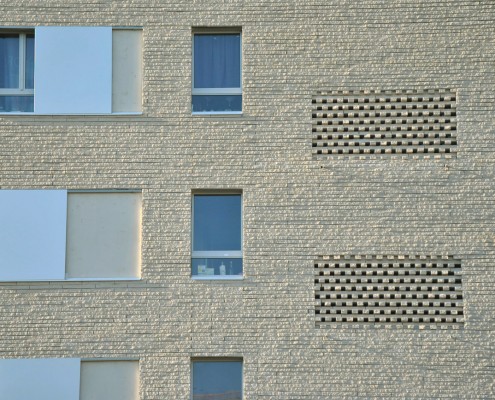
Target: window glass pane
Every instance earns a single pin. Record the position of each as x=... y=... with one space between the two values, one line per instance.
x=217 y=223
x=29 y=62
x=217 y=61
x=216 y=267
x=216 y=103
x=217 y=380
x=16 y=103
x=9 y=61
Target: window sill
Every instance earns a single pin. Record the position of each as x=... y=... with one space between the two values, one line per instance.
x=32 y=114
x=73 y=280
x=99 y=279
x=218 y=278
x=217 y=113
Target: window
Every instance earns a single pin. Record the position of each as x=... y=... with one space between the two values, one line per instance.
x=217 y=86
x=217 y=236
x=68 y=379
x=217 y=379
x=16 y=71
x=78 y=70
x=55 y=235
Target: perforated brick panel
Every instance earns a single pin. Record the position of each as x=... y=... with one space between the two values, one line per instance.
x=400 y=122
x=388 y=289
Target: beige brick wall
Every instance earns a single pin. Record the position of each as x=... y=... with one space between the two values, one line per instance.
x=295 y=208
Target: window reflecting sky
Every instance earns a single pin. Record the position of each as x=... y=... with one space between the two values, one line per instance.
x=219 y=379
x=217 y=222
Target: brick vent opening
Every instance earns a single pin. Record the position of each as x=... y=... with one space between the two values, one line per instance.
x=381 y=123
x=388 y=289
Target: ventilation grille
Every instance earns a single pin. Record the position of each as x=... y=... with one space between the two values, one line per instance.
x=369 y=123
x=388 y=289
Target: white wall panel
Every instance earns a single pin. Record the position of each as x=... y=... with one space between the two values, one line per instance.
x=32 y=234
x=40 y=379
x=73 y=71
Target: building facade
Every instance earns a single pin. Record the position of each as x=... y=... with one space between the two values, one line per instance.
x=318 y=224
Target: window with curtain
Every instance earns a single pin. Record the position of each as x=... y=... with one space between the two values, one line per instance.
x=217 y=63
x=217 y=236
x=79 y=70
x=217 y=379
x=16 y=72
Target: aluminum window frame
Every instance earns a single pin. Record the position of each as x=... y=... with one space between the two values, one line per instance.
x=21 y=89
x=218 y=253
x=212 y=360
x=217 y=91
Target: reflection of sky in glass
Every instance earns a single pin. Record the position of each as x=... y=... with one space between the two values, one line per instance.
x=223 y=379
x=217 y=222
x=9 y=61
x=217 y=61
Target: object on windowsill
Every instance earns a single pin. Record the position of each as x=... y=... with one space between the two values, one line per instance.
x=222 y=269
x=209 y=271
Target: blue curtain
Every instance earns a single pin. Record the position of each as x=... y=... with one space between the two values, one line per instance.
x=9 y=61
x=29 y=62
x=217 y=222
x=217 y=61
x=217 y=380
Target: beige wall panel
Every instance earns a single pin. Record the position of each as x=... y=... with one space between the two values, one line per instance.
x=127 y=74
x=103 y=235
x=109 y=380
